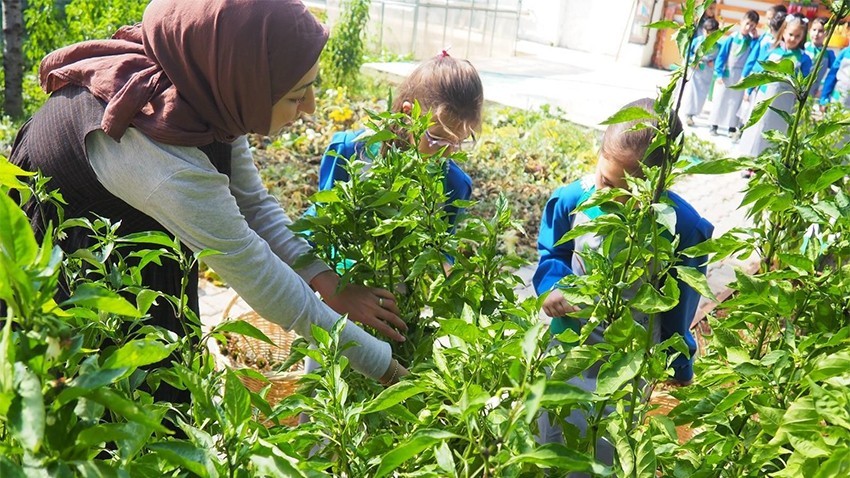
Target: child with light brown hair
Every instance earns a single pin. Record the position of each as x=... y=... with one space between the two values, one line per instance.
x=451 y=90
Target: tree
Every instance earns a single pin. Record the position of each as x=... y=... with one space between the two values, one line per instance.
x=13 y=57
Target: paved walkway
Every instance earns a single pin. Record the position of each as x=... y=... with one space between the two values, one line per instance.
x=589 y=89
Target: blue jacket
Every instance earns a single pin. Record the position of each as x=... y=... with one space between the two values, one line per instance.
x=758 y=49
x=555 y=261
x=458 y=185
x=831 y=80
x=727 y=49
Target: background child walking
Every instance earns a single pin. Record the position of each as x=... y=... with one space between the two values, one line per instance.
x=817 y=33
x=836 y=86
x=696 y=90
x=729 y=67
x=788 y=45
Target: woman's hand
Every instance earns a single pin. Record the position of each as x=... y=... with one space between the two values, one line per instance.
x=374 y=307
x=555 y=305
x=394 y=372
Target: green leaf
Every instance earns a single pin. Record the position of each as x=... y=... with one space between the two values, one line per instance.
x=237 y=400
x=17 y=240
x=621 y=331
x=562 y=393
x=325 y=197
x=784 y=67
x=834 y=365
x=206 y=253
x=531 y=342
x=797 y=261
x=187 y=456
x=138 y=353
x=826 y=178
x=386 y=198
x=393 y=396
x=8 y=469
x=695 y=279
x=97 y=297
x=650 y=301
x=665 y=215
x=575 y=361
x=757 y=79
x=244 y=328
x=9 y=174
x=419 y=442
x=273 y=463
x=445 y=459
x=103 y=433
x=801 y=418
x=646 y=462
x=535 y=395
x=837 y=465
x=716 y=166
x=130 y=410
x=26 y=414
x=759 y=110
x=664 y=24
x=556 y=455
x=88 y=381
x=613 y=375
x=152 y=237
x=632 y=113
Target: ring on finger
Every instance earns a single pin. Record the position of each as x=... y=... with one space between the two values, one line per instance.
x=380 y=301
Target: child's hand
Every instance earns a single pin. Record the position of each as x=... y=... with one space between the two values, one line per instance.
x=555 y=305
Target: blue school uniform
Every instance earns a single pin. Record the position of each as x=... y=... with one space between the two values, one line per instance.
x=556 y=262
x=345 y=144
x=697 y=89
x=729 y=66
x=757 y=53
x=753 y=142
x=836 y=85
x=829 y=58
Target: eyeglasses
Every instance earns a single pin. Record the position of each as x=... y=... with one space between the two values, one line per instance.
x=435 y=142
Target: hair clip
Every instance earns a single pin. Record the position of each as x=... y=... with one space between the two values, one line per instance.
x=445 y=52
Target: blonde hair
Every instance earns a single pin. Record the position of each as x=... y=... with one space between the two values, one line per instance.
x=447 y=87
x=619 y=143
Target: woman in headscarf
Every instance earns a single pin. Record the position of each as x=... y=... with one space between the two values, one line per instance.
x=148 y=128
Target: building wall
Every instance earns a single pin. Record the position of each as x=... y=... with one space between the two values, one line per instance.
x=600 y=26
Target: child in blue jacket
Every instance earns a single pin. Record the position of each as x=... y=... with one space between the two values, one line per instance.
x=621 y=152
x=729 y=67
x=815 y=45
x=452 y=91
x=836 y=86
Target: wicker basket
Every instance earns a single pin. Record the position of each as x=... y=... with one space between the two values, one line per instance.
x=283 y=384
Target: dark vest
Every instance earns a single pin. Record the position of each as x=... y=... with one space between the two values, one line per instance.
x=53 y=141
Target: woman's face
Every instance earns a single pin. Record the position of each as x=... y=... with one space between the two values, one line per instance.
x=298 y=100
x=793 y=35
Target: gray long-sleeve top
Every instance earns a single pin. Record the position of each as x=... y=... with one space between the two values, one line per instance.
x=180 y=188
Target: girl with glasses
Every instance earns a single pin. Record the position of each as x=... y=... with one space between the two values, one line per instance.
x=450 y=89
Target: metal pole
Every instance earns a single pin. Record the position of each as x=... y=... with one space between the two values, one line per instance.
x=493 y=29
x=383 y=25
x=518 y=20
x=445 y=23
x=469 y=28
x=415 y=27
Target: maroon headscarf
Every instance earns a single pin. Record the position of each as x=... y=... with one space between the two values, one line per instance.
x=194 y=71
